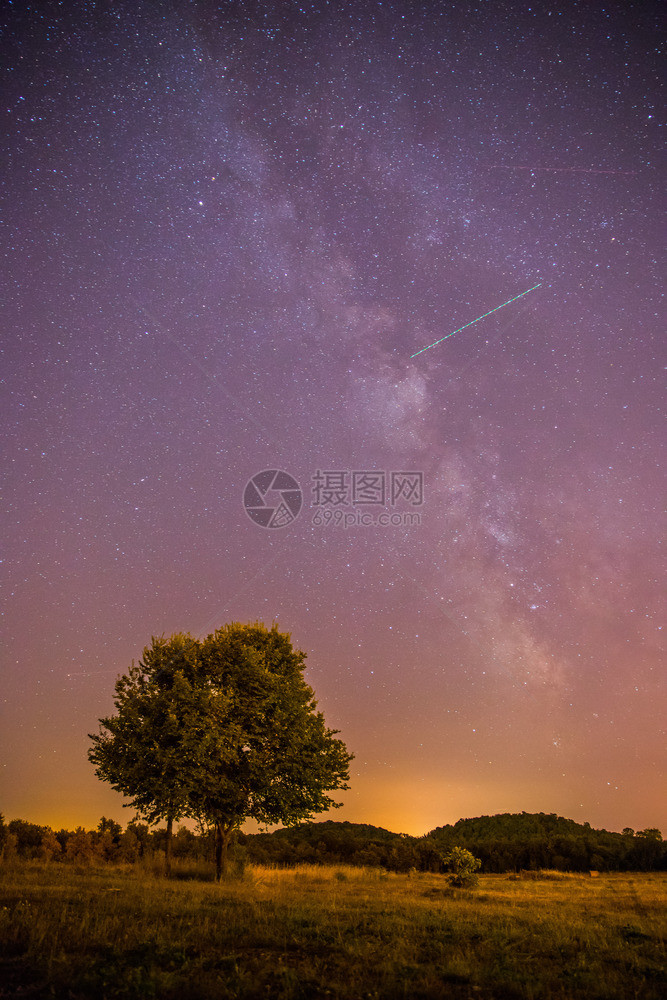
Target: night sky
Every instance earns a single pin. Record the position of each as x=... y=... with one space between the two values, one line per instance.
x=228 y=227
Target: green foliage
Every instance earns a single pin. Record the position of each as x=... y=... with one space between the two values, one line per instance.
x=220 y=730
x=507 y=842
x=359 y=844
x=464 y=867
x=139 y=749
x=516 y=841
x=263 y=751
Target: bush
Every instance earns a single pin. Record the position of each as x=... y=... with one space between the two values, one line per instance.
x=463 y=867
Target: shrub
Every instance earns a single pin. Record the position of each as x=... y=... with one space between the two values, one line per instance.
x=463 y=867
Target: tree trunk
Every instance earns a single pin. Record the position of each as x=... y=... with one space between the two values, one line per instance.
x=167 y=847
x=223 y=835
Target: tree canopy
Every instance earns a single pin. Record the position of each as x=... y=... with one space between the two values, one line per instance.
x=221 y=730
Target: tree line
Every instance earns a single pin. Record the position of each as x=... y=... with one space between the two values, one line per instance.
x=503 y=843
x=506 y=842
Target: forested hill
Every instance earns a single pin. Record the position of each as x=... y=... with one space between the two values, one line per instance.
x=327 y=842
x=505 y=842
x=544 y=840
x=522 y=826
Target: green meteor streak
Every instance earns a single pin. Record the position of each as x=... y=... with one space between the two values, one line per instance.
x=476 y=320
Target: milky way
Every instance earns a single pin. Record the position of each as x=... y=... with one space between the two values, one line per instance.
x=227 y=229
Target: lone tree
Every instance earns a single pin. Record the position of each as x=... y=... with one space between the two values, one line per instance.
x=233 y=731
x=464 y=867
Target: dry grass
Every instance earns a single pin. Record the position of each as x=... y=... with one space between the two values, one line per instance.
x=312 y=932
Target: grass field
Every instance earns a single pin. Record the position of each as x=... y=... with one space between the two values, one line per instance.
x=312 y=932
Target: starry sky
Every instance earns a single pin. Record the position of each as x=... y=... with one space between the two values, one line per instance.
x=228 y=227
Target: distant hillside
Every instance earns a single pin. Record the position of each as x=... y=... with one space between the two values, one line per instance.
x=328 y=843
x=505 y=842
x=512 y=841
x=513 y=826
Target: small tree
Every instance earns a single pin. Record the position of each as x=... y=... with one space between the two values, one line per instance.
x=139 y=834
x=464 y=867
x=80 y=846
x=50 y=847
x=111 y=827
x=139 y=750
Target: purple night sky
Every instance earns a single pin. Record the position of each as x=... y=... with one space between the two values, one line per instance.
x=227 y=229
